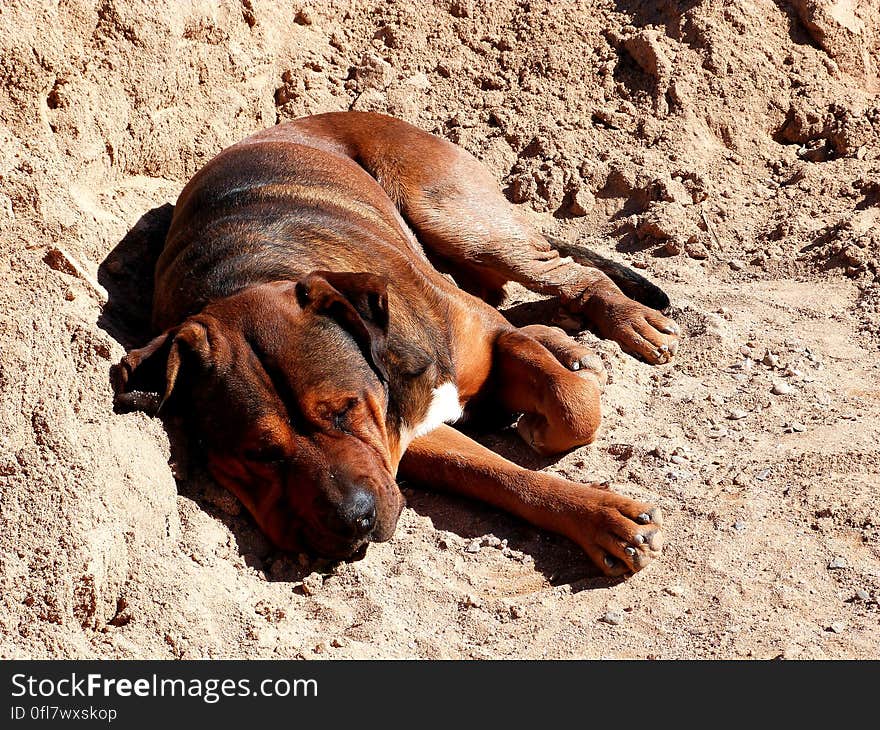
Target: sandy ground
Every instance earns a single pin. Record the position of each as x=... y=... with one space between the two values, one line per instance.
x=729 y=149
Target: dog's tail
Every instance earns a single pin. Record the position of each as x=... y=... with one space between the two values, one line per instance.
x=634 y=285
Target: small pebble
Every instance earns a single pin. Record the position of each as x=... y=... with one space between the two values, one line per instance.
x=838 y=627
x=491 y=541
x=739 y=525
x=615 y=618
x=304 y=17
x=737 y=414
x=473 y=546
x=795 y=427
x=770 y=360
x=312 y=583
x=471 y=602
x=782 y=389
x=763 y=474
x=863 y=595
x=736 y=264
x=838 y=563
x=339 y=642
x=516 y=611
x=69 y=295
x=675 y=459
x=674 y=590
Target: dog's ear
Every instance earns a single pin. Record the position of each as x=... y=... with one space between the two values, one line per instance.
x=358 y=302
x=145 y=378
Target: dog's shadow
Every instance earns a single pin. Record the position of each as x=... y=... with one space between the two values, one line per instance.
x=127 y=275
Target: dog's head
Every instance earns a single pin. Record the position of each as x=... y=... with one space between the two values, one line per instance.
x=286 y=389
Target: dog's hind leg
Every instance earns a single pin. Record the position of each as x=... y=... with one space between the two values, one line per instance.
x=621 y=535
x=463 y=220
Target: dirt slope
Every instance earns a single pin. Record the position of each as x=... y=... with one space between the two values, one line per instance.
x=730 y=149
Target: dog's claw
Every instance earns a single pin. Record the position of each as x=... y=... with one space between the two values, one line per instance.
x=609 y=561
x=631 y=551
x=640 y=540
x=575 y=365
x=644 y=518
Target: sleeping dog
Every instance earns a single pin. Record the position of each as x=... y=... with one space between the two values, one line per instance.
x=324 y=299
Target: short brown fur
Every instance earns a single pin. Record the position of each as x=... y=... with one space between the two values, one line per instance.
x=307 y=330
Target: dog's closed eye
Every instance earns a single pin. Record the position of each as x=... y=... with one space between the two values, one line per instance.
x=341 y=412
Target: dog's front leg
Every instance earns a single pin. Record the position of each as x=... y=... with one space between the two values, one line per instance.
x=621 y=535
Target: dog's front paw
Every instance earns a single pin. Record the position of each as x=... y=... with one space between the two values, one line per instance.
x=621 y=535
x=638 y=329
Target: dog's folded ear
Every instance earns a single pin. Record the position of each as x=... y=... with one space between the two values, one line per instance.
x=144 y=379
x=358 y=302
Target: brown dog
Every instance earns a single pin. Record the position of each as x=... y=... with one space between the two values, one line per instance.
x=317 y=349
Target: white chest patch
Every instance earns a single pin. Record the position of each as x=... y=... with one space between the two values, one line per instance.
x=445 y=408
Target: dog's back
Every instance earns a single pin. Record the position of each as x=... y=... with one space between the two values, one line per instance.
x=275 y=206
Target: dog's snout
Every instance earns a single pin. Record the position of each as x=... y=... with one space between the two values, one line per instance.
x=357 y=512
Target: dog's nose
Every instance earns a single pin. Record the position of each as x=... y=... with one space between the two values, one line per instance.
x=358 y=512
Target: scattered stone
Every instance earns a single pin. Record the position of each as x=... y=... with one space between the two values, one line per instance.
x=60 y=260
x=863 y=595
x=672 y=247
x=582 y=202
x=516 y=611
x=339 y=642
x=646 y=51
x=739 y=525
x=473 y=546
x=675 y=590
x=304 y=17
x=736 y=264
x=771 y=360
x=696 y=249
x=471 y=602
x=312 y=583
x=795 y=427
x=838 y=563
x=782 y=389
x=491 y=541
x=718 y=433
x=737 y=414
x=840 y=31
x=621 y=451
x=320 y=648
x=69 y=294
x=668 y=222
x=614 y=618
x=676 y=459
x=373 y=73
x=791 y=372
x=838 y=627
x=763 y=475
